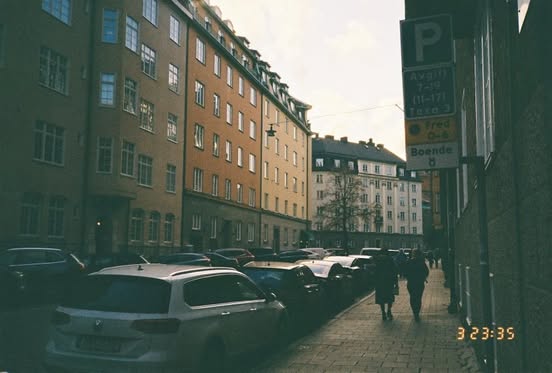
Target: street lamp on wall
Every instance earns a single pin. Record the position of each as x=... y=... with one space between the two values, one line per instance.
x=271 y=132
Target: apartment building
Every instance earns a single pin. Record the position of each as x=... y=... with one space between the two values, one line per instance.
x=391 y=195
x=141 y=128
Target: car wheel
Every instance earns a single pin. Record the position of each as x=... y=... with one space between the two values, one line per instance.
x=213 y=358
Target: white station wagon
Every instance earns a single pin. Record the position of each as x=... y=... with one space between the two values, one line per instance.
x=161 y=318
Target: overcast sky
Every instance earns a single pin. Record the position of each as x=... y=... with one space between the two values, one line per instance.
x=341 y=57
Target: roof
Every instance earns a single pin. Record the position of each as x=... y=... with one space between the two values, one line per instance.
x=161 y=271
x=272 y=265
x=368 y=151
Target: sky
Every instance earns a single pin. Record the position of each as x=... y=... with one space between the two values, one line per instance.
x=341 y=57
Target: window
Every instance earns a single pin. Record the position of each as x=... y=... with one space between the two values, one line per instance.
x=130 y=100
x=174 y=73
x=216 y=105
x=413 y=188
x=227 y=189
x=136 y=225
x=414 y=230
x=253 y=96
x=389 y=185
x=294 y=184
x=337 y=163
x=364 y=198
x=276 y=146
x=107 y=89
x=213 y=227
x=276 y=204
x=413 y=202
x=171 y=178
x=149 y=11
x=229 y=113
x=172 y=121
x=401 y=216
x=403 y=230
x=240 y=86
x=174 y=29
x=378 y=198
x=30 y=212
x=302 y=188
x=61 y=9
x=366 y=227
x=266 y=108
x=319 y=178
x=104 y=154
x=295 y=133
x=199 y=93
x=252 y=197
x=414 y=216
x=200 y=50
x=276 y=175
x=240 y=121
x=239 y=189
x=238 y=231
x=295 y=159
x=265 y=170
x=169 y=228
x=252 y=160
x=229 y=76
x=252 y=129
x=49 y=143
x=265 y=232
x=250 y=232
x=319 y=162
x=215 y=185
x=390 y=200
x=53 y=72
x=266 y=200
x=153 y=227
x=216 y=140
x=198 y=180
x=389 y=215
x=265 y=139
x=240 y=157
x=145 y=170
x=286 y=152
x=402 y=201
x=55 y=216
x=216 y=65
x=294 y=210
x=127 y=158
x=131 y=37
x=110 y=25
x=401 y=188
x=148 y=61
x=319 y=194
x=196 y=222
x=146 y=115
x=377 y=169
x=228 y=155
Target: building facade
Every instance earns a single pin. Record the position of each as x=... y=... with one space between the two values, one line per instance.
x=392 y=195
x=142 y=127
x=498 y=203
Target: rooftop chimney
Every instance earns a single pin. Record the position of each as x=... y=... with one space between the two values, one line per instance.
x=370 y=142
x=362 y=142
x=344 y=139
x=329 y=137
x=380 y=146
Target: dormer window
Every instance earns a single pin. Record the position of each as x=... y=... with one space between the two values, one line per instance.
x=207 y=24
x=233 y=49
x=220 y=37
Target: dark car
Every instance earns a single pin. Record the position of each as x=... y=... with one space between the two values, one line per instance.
x=95 y=262
x=218 y=260
x=263 y=253
x=242 y=255
x=293 y=284
x=292 y=256
x=337 y=283
x=368 y=265
x=186 y=258
x=352 y=264
x=37 y=274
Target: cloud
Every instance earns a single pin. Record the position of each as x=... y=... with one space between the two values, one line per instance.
x=355 y=38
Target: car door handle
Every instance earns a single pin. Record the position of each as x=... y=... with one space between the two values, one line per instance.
x=253 y=309
x=225 y=313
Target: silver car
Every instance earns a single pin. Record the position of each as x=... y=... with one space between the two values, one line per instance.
x=157 y=317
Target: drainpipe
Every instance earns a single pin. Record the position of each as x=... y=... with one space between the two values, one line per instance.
x=185 y=129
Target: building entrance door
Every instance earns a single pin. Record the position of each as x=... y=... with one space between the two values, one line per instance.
x=103 y=235
x=276 y=239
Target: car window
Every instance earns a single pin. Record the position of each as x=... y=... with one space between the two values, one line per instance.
x=52 y=257
x=220 y=289
x=116 y=293
x=7 y=259
x=307 y=276
x=245 y=289
x=30 y=257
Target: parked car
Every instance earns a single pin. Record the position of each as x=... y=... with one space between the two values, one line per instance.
x=157 y=317
x=355 y=269
x=95 y=262
x=292 y=256
x=375 y=251
x=37 y=273
x=218 y=260
x=242 y=255
x=319 y=251
x=337 y=283
x=186 y=258
x=368 y=265
x=293 y=284
x=336 y=251
x=263 y=253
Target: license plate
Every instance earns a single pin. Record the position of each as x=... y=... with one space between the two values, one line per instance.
x=99 y=344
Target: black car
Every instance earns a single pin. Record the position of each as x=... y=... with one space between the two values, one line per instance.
x=37 y=274
x=95 y=262
x=196 y=259
x=292 y=256
x=293 y=284
x=218 y=260
x=263 y=253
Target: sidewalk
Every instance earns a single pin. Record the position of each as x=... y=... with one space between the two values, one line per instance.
x=357 y=340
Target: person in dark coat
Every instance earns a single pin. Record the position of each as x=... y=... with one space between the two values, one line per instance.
x=386 y=280
x=416 y=276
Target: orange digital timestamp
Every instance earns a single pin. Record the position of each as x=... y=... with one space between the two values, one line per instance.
x=484 y=333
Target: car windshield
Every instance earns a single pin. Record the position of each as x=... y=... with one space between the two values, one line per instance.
x=267 y=278
x=232 y=252
x=319 y=270
x=114 y=293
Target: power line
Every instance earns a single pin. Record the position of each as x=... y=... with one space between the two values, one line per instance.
x=356 y=111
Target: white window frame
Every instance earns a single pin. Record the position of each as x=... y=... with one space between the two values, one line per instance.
x=196 y=222
x=49 y=143
x=252 y=197
x=199 y=133
x=198 y=180
x=132 y=34
x=216 y=144
x=227 y=189
x=213 y=227
x=252 y=129
x=56 y=216
x=253 y=96
x=54 y=70
x=199 y=93
x=60 y=9
x=145 y=170
x=104 y=155
x=240 y=156
x=239 y=193
x=215 y=185
x=216 y=65
x=252 y=163
x=240 y=121
x=108 y=86
x=147 y=115
x=110 y=26
x=171 y=178
x=229 y=76
x=216 y=105
x=250 y=232
x=128 y=151
x=149 y=61
x=174 y=29
x=153 y=226
x=172 y=127
x=241 y=86
x=200 y=50
x=228 y=150
x=130 y=98
x=229 y=113
x=150 y=11
x=174 y=77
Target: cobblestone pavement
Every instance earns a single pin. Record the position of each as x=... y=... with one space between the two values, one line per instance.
x=357 y=340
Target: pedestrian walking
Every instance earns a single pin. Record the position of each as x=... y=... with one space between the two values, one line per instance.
x=430 y=258
x=386 y=282
x=416 y=276
x=400 y=261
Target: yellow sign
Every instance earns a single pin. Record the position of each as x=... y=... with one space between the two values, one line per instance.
x=430 y=130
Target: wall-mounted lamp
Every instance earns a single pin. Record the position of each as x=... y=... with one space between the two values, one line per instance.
x=271 y=132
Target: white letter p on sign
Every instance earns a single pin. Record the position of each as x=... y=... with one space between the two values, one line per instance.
x=422 y=41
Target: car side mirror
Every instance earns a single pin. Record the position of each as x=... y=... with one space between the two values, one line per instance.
x=270 y=297
x=355 y=268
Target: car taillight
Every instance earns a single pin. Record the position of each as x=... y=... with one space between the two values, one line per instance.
x=60 y=318
x=156 y=326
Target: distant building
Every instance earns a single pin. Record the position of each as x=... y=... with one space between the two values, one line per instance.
x=393 y=195
x=434 y=234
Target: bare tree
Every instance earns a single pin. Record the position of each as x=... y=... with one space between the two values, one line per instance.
x=343 y=209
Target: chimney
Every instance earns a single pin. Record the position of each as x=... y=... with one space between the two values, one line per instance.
x=362 y=142
x=329 y=137
x=370 y=142
x=344 y=139
x=380 y=146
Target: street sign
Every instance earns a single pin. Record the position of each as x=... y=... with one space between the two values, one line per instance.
x=430 y=130
x=426 y=41
x=432 y=156
x=429 y=92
